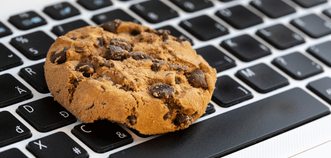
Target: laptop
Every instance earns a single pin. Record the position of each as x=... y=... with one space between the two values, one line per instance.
x=272 y=96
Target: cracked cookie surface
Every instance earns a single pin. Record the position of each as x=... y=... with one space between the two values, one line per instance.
x=130 y=74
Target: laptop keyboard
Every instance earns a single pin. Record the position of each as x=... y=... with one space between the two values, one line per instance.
x=272 y=57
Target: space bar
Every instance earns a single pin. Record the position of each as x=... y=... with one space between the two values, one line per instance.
x=235 y=129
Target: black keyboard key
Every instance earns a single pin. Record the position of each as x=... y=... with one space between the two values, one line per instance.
x=94 y=4
x=322 y=88
x=35 y=76
x=112 y=15
x=262 y=78
x=273 y=8
x=34 y=45
x=216 y=58
x=313 y=25
x=239 y=17
x=280 y=36
x=4 y=30
x=229 y=92
x=174 y=32
x=210 y=109
x=12 y=153
x=309 y=3
x=56 y=145
x=246 y=48
x=297 y=65
x=62 y=29
x=327 y=12
x=27 y=20
x=204 y=28
x=12 y=130
x=102 y=136
x=193 y=5
x=12 y=90
x=45 y=114
x=154 y=11
x=234 y=130
x=61 y=11
x=8 y=59
x=322 y=52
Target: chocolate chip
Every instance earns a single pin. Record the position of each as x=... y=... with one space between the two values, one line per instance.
x=183 y=120
x=135 y=33
x=73 y=38
x=115 y=53
x=119 y=42
x=158 y=64
x=197 y=79
x=59 y=58
x=163 y=33
x=100 y=40
x=168 y=114
x=180 y=39
x=86 y=68
x=162 y=90
x=138 y=55
x=132 y=119
x=111 y=26
x=177 y=80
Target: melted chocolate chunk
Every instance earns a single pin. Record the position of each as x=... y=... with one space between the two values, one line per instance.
x=111 y=26
x=86 y=68
x=59 y=58
x=197 y=79
x=115 y=53
x=168 y=114
x=119 y=42
x=132 y=119
x=138 y=55
x=163 y=33
x=100 y=40
x=183 y=120
x=162 y=90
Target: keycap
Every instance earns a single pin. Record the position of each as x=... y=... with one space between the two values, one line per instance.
x=154 y=11
x=61 y=11
x=309 y=3
x=327 y=12
x=192 y=5
x=273 y=8
x=56 y=145
x=246 y=48
x=12 y=90
x=102 y=136
x=204 y=28
x=12 y=130
x=45 y=114
x=321 y=52
x=225 y=0
x=216 y=58
x=112 y=15
x=34 y=45
x=297 y=65
x=174 y=32
x=35 y=76
x=12 y=153
x=234 y=130
x=63 y=29
x=94 y=4
x=262 y=78
x=27 y=20
x=322 y=88
x=210 y=109
x=8 y=59
x=4 y=30
x=239 y=17
x=313 y=25
x=280 y=36
x=229 y=92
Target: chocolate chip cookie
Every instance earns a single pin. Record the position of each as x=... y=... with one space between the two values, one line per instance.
x=130 y=74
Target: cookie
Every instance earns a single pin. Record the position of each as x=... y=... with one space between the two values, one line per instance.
x=131 y=74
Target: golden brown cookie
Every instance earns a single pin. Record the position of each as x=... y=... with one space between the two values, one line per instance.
x=130 y=74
